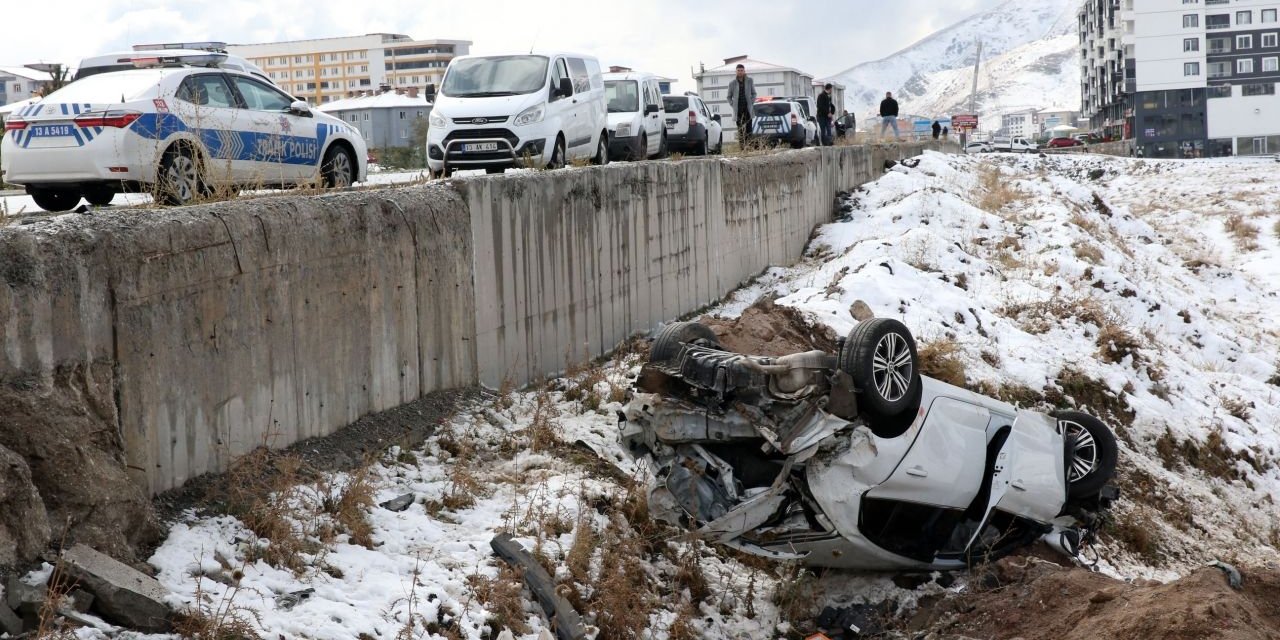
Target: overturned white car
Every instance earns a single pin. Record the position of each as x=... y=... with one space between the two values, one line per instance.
x=854 y=460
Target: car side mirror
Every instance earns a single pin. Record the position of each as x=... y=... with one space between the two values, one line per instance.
x=430 y=91
x=812 y=119
x=651 y=109
x=300 y=108
x=565 y=89
x=716 y=117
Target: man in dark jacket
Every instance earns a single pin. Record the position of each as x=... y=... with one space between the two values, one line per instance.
x=742 y=94
x=826 y=116
x=889 y=115
x=848 y=123
x=937 y=129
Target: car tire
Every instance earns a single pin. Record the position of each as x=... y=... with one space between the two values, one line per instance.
x=702 y=147
x=55 y=200
x=720 y=145
x=663 y=150
x=644 y=147
x=880 y=356
x=557 y=155
x=338 y=170
x=667 y=343
x=99 y=196
x=602 y=151
x=179 y=178
x=1091 y=460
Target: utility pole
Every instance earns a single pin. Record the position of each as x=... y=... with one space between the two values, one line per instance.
x=973 y=94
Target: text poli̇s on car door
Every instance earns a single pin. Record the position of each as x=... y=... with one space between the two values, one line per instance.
x=284 y=147
x=207 y=107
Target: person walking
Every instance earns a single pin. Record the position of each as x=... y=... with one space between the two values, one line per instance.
x=826 y=116
x=889 y=115
x=946 y=133
x=742 y=94
x=937 y=129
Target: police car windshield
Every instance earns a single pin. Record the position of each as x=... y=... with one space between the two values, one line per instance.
x=108 y=88
x=623 y=96
x=773 y=108
x=495 y=76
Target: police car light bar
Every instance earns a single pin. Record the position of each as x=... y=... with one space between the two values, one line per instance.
x=196 y=46
x=201 y=60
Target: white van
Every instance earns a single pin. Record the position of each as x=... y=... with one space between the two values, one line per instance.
x=635 y=116
x=496 y=112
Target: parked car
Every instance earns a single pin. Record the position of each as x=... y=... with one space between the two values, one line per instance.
x=1014 y=145
x=691 y=127
x=176 y=129
x=808 y=113
x=497 y=112
x=978 y=147
x=636 y=118
x=1058 y=143
x=172 y=52
x=772 y=121
x=853 y=459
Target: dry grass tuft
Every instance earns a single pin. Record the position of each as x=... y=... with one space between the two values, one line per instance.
x=1088 y=252
x=1244 y=232
x=940 y=359
x=996 y=192
x=1238 y=407
x=795 y=594
x=221 y=620
x=1137 y=532
x=503 y=597
x=1039 y=317
x=1115 y=343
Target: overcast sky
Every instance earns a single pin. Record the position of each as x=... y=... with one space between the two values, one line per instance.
x=668 y=37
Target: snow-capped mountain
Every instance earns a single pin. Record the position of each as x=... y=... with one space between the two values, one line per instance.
x=913 y=73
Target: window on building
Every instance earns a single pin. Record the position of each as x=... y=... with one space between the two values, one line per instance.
x=1269 y=40
x=1191 y=21
x=1219 y=69
x=1219 y=45
x=1244 y=65
x=1268 y=15
x=1270 y=64
x=1190 y=1
x=366 y=117
x=1191 y=44
x=1263 y=89
x=1191 y=69
x=297 y=59
x=402 y=115
x=1216 y=21
x=1244 y=42
x=1244 y=17
x=1220 y=91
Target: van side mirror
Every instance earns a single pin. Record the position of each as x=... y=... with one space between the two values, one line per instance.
x=651 y=109
x=566 y=87
x=716 y=117
x=430 y=91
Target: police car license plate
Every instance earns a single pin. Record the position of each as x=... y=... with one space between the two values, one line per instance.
x=480 y=146
x=50 y=130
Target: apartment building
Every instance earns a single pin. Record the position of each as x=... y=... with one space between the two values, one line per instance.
x=327 y=69
x=21 y=83
x=1206 y=77
x=1107 y=65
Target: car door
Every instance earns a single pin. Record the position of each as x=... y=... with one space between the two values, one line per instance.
x=584 y=122
x=208 y=107
x=562 y=107
x=944 y=466
x=283 y=147
x=653 y=121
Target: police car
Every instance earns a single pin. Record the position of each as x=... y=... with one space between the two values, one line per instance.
x=179 y=127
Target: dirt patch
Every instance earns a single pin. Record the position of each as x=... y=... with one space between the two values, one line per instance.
x=1025 y=597
x=768 y=329
x=408 y=426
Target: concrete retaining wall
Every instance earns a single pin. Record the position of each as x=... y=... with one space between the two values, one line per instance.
x=273 y=320
x=1122 y=148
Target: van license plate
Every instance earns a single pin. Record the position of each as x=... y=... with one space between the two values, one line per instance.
x=480 y=146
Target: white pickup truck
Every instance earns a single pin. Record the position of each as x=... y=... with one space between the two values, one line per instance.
x=1014 y=145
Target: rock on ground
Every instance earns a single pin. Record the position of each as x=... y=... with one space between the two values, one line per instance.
x=122 y=595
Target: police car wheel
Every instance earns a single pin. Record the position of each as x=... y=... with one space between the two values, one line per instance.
x=55 y=199
x=99 y=196
x=179 y=177
x=338 y=169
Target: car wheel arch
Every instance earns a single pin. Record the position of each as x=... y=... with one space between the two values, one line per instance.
x=347 y=146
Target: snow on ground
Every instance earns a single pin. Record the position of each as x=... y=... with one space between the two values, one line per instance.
x=1125 y=274
x=1135 y=280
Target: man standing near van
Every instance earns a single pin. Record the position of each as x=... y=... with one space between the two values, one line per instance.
x=826 y=115
x=742 y=94
x=889 y=115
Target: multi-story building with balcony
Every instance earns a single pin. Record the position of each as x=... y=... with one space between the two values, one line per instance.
x=328 y=69
x=1107 y=66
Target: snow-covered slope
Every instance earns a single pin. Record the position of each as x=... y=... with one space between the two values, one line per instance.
x=1041 y=74
x=1003 y=29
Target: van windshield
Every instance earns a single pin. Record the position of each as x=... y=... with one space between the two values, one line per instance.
x=623 y=96
x=495 y=76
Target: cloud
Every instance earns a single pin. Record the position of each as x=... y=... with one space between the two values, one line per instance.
x=669 y=37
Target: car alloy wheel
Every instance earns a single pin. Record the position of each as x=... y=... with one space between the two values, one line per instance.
x=892 y=367
x=1084 y=455
x=182 y=178
x=340 y=170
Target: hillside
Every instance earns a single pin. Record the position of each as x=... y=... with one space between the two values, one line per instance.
x=909 y=72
